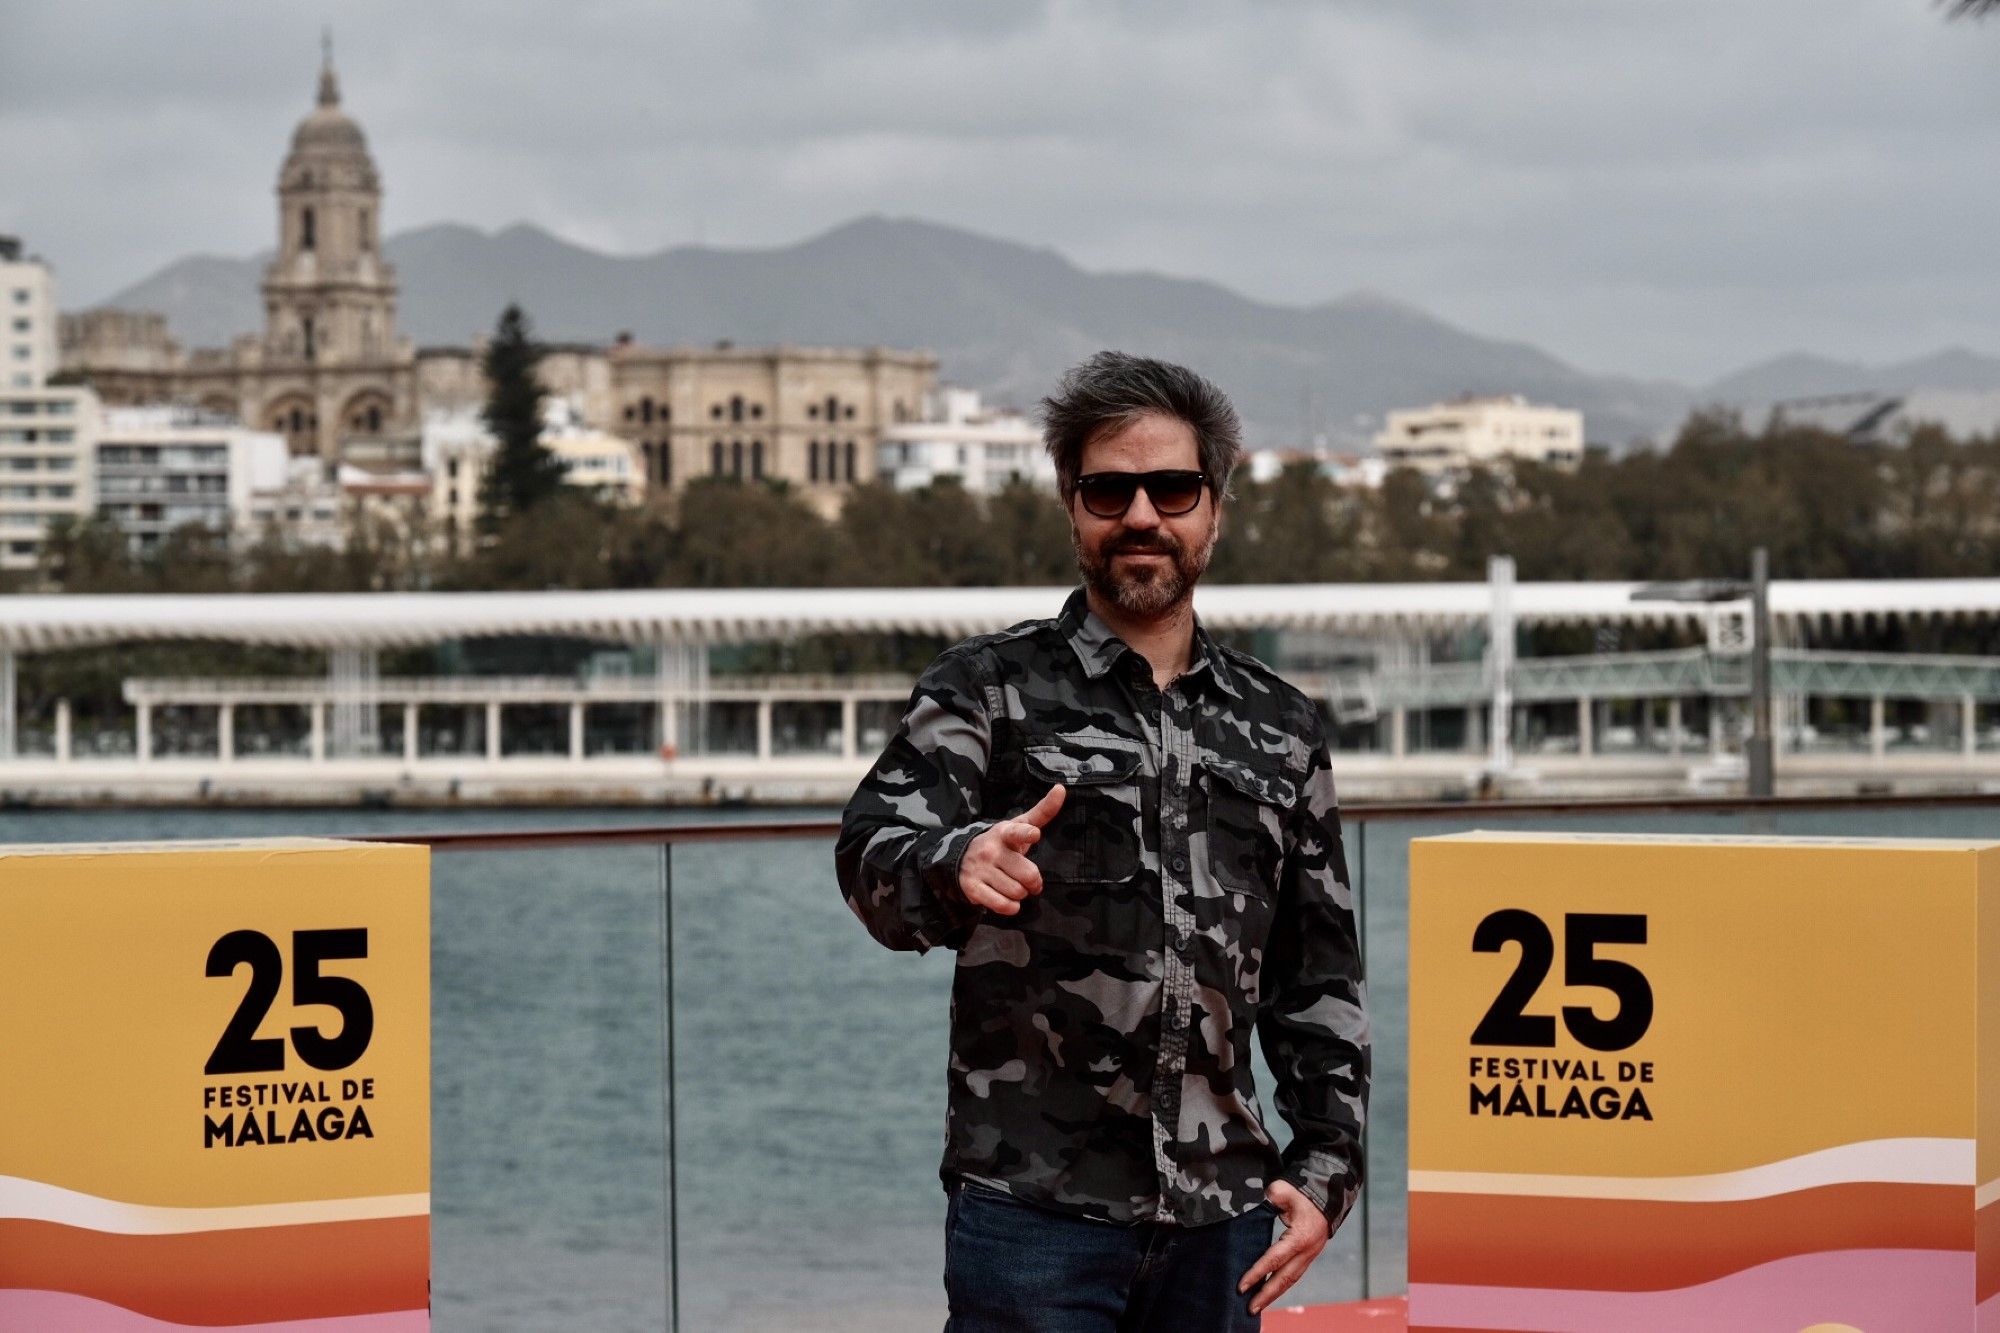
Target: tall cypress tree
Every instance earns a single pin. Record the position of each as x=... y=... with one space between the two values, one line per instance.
x=523 y=472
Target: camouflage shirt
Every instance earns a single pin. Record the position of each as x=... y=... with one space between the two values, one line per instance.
x=1194 y=887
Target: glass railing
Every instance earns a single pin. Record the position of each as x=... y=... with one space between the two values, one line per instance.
x=676 y=1085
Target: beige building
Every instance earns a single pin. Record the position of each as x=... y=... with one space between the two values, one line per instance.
x=1480 y=432
x=48 y=442
x=811 y=415
x=449 y=379
x=28 y=348
x=47 y=434
x=328 y=367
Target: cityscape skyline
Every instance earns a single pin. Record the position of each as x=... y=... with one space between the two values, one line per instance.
x=1565 y=178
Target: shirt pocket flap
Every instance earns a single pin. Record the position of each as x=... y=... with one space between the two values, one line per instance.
x=1080 y=767
x=1267 y=788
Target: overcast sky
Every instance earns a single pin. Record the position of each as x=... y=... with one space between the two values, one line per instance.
x=1672 y=188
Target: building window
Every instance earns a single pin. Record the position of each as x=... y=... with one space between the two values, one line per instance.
x=756 y=458
x=812 y=459
x=666 y=473
x=306 y=324
x=307 y=238
x=736 y=458
x=23 y=325
x=715 y=412
x=850 y=460
x=850 y=411
x=812 y=411
x=646 y=413
x=364 y=231
x=736 y=407
x=832 y=408
x=374 y=418
x=715 y=460
x=756 y=411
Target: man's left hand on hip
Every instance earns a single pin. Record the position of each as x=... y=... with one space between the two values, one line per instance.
x=1306 y=1234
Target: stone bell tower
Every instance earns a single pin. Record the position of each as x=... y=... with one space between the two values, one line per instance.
x=329 y=296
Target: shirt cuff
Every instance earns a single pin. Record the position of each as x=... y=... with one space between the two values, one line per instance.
x=1323 y=1179
x=938 y=866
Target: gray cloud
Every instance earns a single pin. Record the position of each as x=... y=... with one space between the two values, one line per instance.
x=1661 y=189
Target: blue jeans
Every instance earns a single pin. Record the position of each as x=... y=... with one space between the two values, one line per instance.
x=1012 y=1266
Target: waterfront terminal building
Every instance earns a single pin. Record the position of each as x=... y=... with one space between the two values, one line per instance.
x=1415 y=702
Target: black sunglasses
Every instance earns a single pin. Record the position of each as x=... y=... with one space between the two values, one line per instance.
x=1173 y=492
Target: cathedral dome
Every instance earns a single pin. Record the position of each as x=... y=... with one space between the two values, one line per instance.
x=327 y=126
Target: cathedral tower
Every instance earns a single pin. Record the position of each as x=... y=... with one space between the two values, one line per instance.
x=329 y=296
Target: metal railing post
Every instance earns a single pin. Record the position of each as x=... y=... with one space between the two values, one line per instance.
x=1359 y=874
x=669 y=1092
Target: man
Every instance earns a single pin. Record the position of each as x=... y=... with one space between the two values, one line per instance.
x=1129 y=835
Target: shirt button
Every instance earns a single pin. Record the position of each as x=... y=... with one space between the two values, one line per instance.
x=1175 y=1020
x=1180 y=863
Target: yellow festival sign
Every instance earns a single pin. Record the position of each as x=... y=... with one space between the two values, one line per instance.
x=215 y=1098
x=1723 y=1083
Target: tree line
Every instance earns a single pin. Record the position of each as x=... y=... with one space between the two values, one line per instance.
x=1825 y=508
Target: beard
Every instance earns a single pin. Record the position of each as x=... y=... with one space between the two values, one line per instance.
x=1148 y=588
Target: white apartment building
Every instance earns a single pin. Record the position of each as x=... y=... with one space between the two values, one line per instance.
x=28 y=344
x=985 y=448
x=159 y=468
x=456 y=448
x=1361 y=470
x=47 y=443
x=315 y=508
x=1481 y=431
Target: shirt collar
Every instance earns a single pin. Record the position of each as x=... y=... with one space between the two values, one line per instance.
x=1098 y=648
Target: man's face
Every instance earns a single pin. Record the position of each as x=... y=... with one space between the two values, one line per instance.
x=1144 y=563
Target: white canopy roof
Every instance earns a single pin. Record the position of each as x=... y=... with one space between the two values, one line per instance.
x=384 y=620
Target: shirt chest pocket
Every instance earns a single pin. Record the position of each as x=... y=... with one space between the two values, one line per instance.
x=1245 y=824
x=1099 y=832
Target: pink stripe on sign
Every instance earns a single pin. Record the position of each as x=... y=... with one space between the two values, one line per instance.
x=61 y=1312
x=1881 y=1291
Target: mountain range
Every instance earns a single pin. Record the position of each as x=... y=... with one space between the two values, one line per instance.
x=1006 y=318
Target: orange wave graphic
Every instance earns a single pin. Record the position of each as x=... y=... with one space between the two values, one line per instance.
x=314 y=1271
x=1639 y=1245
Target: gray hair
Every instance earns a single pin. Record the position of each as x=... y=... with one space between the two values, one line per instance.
x=1113 y=389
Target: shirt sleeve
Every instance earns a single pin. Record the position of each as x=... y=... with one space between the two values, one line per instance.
x=1313 y=1018
x=907 y=826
